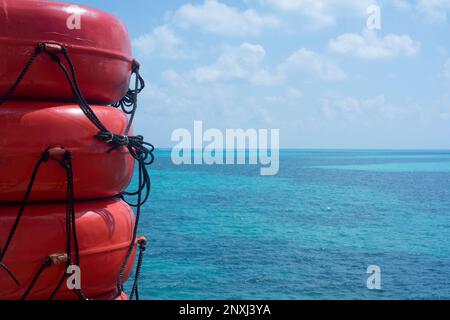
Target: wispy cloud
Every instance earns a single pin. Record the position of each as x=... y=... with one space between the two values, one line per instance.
x=319 y=13
x=369 y=46
x=234 y=63
x=312 y=64
x=435 y=11
x=218 y=18
x=161 y=42
x=247 y=62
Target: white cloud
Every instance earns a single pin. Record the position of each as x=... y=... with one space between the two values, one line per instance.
x=350 y=107
x=215 y=17
x=370 y=46
x=320 y=12
x=247 y=63
x=244 y=62
x=180 y=100
x=161 y=42
x=312 y=64
x=319 y=5
x=400 y=4
x=288 y=97
x=365 y=112
x=265 y=77
x=234 y=63
x=435 y=11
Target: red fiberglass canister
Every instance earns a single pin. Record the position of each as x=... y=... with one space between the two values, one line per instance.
x=104 y=230
x=97 y=42
x=28 y=128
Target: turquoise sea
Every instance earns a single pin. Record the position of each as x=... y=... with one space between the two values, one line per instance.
x=225 y=232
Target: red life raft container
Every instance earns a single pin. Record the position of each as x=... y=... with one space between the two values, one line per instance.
x=27 y=129
x=104 y=230
x=97 y=42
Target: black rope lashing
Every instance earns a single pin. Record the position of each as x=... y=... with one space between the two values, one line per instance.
x=120 y=281
x=140 y=150
x=52 y=50
x=58 y=286
x=45 y=157
x=128 y=103
x=11 y=275
x=142 y=243
x=64 y=158
x=71 y=229
x=39 y=49
x=47 y=263
x=55 y=259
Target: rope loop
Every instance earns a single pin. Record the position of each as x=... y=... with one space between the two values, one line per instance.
x=129 y=101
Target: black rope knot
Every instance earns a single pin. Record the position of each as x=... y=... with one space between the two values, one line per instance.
x=128 y=103
x=114 y=139
x=138 y=148
x=142 y=244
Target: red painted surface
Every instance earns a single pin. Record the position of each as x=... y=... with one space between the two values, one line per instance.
x=100 y=50
x=104 y=234
x=28 y=128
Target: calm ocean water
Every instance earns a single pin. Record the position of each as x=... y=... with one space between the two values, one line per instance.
x=224 y=232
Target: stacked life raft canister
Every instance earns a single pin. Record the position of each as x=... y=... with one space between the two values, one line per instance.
x=67 y=153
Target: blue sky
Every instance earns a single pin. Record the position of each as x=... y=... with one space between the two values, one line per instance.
x=310 y=68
